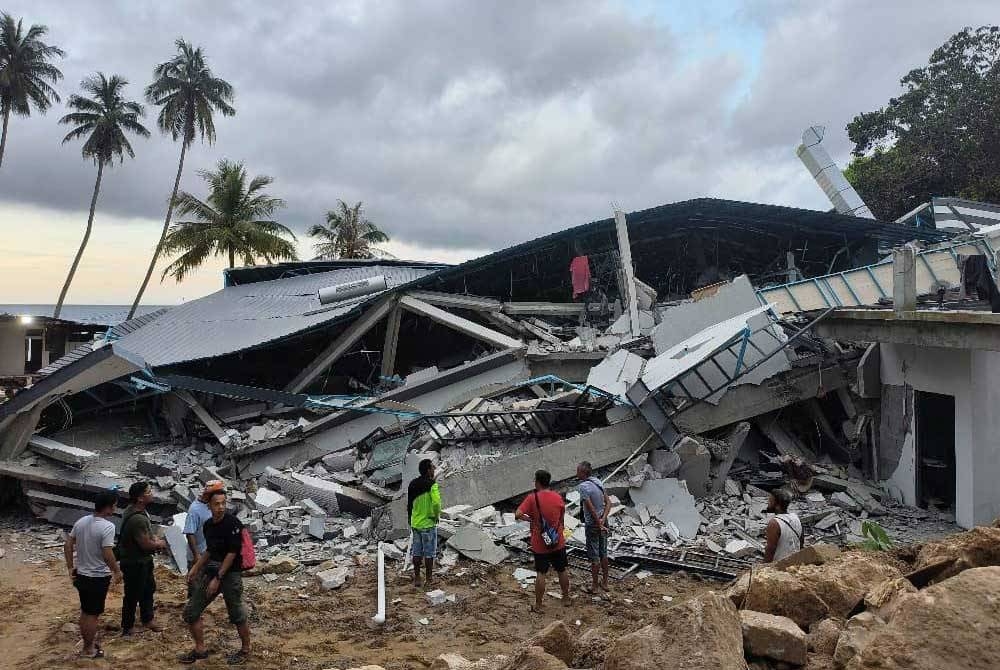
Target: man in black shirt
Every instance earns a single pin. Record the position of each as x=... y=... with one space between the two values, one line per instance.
x=218 y=569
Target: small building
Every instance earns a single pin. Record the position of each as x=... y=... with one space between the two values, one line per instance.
x=939 y=439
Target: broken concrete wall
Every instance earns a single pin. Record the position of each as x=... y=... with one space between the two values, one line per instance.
x=895 y=427
x=11 y=349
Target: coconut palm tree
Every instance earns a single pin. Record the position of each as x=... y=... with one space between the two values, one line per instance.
x=26 y=73
x=103 y=119
x=233 y=221
x=347 y=234
x=188 y=94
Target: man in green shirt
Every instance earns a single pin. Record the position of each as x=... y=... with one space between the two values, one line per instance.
x=136 y=546
x=423 y=506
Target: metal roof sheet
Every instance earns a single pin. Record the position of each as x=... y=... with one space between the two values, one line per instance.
x=242 y=317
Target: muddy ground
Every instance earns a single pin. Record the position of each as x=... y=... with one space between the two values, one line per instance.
x=295 y=624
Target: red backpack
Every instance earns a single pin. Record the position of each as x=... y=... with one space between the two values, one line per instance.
x=248 y=556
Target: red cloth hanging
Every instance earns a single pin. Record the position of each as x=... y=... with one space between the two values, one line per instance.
x=579 y=270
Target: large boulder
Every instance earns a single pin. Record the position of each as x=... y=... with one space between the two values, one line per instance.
x=954 y=624
x=702 y=633
x=823 y=636
x=591 y=649
x=814 y=554
x=533 y=658
x=774 y=637
x=780 y=593
x=885 y=598
x=856 y=635
x=843 y=582
x=556 y=639
x=977 y=548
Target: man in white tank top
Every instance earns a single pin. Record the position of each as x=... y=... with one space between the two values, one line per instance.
x=784 y=530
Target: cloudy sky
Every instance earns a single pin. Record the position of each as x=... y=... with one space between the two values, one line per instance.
x=463 y=126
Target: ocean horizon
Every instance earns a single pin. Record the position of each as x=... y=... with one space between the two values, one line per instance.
x=101 y=315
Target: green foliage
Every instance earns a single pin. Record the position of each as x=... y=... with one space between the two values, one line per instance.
x=234 y=221
x=940 y=137
x=188 y=94
x=347 y=234
x=876 y=539
x=26 y=71
x=104 y=118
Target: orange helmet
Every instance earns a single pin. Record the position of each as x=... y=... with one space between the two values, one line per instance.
x=213 y=486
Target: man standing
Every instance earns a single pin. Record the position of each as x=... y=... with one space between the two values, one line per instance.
x=784 y=530
x=546 y=511
x=595 y=504
x=219 y=569
x=136 y=546
x=93 y=538
x=423 y=508
x=198 y=513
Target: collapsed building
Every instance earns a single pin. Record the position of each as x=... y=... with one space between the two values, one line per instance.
x=698 y=354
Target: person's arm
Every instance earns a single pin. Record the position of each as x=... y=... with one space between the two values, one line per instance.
x=435 y=502
x=607 y=508
x=522 y=512
x=108 y=554
x=227 y=562
x=772 y=534
x=68 y=552
x=195 y=569
x=190 y=532
x=592 y=511
x=147 y=541
x=193 y=545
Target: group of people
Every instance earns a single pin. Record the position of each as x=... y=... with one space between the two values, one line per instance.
x=96 y=561
x=545 y=511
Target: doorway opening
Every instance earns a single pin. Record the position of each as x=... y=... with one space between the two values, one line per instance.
x=935 y=433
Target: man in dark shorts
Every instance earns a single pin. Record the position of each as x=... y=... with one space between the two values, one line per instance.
x=136 y=546
x=596 y=505
x=218 y=570
x=546 y=504
x=95 y=568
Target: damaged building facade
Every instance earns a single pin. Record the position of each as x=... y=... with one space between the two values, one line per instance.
x=697 y=354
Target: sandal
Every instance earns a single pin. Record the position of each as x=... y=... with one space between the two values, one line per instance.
x=192 y=656
x=237 y=658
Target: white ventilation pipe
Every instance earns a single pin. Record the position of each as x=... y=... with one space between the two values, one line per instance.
x=379 y=617
x=352 y=289
x=828 y=175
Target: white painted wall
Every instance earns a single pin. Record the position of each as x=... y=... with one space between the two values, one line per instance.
x=985 y=398
x=11 y=349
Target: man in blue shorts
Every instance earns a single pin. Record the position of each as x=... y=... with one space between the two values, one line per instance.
x=596 y=505
x=423 y=506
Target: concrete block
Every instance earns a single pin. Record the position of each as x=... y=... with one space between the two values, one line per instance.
x=673 y=503
x=152 y=469
x=333 y=578
x=78 y=458
x=474 y=544
x=695 y=463
x=739 y=548
x=775 y=637
x=266 y=499
x=665 y=462
x=317 y=527
x=311 y=507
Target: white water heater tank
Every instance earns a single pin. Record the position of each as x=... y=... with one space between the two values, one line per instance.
x=352 y=289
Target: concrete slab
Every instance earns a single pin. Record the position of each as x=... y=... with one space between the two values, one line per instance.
x=676 y=503
x=177 y=542
x=616 y=373
x=78 y=458
x=695 y=463
x=476 y=545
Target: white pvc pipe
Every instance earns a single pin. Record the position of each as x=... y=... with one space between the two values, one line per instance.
x=379 y=617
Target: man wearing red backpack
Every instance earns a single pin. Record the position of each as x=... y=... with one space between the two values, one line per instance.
x=546 y=511
x=218 y=570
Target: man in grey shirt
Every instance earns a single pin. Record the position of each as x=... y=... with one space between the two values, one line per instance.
x=596 y=505
x=93 y=541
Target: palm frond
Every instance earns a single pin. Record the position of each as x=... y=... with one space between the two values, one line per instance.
x=104 y=119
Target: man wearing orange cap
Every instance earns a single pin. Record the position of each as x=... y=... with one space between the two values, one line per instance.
x=197 y=515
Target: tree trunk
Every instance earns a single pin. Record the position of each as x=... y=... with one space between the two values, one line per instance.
x=83 y=245
x=232 y=258
x=163 y=234
x=3 y=137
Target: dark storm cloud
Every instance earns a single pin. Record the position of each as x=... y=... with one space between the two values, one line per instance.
x=480 y=124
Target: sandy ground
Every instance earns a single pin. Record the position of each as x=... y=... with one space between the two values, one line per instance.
x=297 y=625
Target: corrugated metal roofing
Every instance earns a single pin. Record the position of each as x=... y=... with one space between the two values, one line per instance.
x=248 y=316
x=74 y=354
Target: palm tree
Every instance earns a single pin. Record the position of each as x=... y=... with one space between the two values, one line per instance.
x=188 y=94
x=347 y=234
x=104 y=120
x=25 y=71
x=235 y=221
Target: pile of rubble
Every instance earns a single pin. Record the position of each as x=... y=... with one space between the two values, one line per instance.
x=821 y=611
